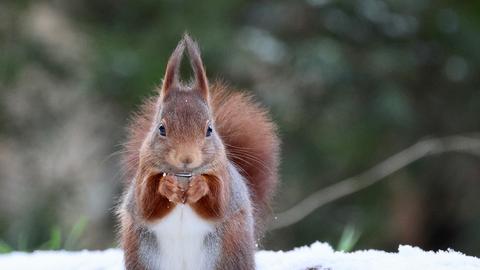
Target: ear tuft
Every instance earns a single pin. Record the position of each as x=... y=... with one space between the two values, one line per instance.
x=171 y=78
x=201 y=82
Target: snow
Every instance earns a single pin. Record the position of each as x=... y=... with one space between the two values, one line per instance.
x=318 y=256
x=110 y=259
x=324 y=257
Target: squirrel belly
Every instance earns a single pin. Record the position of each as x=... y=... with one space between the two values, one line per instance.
x=181 y=238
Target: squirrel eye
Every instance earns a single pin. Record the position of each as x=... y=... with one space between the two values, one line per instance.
x=209 y=131
x=162 y=130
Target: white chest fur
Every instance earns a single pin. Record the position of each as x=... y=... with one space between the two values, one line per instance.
x=180 y=236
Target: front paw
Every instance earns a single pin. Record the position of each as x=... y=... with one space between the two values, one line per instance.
x=170 y=188
x=197 y=189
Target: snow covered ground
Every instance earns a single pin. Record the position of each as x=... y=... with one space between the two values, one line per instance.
x=318 y=256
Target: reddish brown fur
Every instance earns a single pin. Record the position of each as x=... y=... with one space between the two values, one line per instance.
x=151 y=203
x=237 y=245
x=251 y=143
x=171 y=73
x=247 y=133
x=200 y=129
x=213 y=204
x=197 y=65
x=130 y=244
x=139 y=126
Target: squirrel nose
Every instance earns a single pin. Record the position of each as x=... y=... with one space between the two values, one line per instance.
x=186 y=160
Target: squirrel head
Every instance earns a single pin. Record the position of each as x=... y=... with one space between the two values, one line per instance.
x=182 y=136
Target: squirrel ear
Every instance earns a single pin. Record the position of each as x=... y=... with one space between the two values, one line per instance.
x=171 y=78
x=201 y=82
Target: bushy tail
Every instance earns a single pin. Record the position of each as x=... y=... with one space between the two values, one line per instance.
x=252 y=145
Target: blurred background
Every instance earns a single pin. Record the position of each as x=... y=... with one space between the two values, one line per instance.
x=349 y=83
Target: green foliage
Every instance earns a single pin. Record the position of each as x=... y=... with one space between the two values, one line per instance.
x=5 y=248
x=55 y=241
x=349 y=239
x=73 y=237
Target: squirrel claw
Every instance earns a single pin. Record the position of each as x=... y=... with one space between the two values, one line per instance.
x=170 y=189
x=198 y=188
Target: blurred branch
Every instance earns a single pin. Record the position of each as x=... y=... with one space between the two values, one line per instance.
x=421 y=149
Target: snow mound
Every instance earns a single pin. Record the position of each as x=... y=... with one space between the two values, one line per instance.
x=321 y=256
x=318 y=256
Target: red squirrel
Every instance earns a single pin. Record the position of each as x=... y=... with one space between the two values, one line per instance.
x=201 y=162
